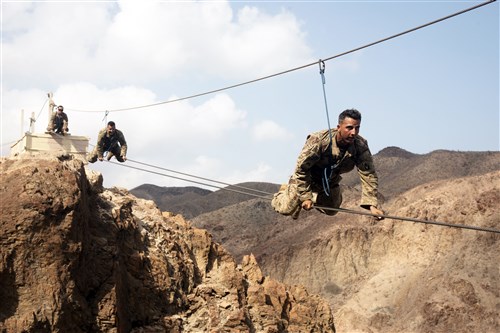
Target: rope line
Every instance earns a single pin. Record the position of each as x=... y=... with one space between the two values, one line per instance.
x=324 y=179
x=296 y=68
x=40 y=112
x=189 y=180
x=202 y=178
x=343 y=210
x=410 y=219
x=413 y=29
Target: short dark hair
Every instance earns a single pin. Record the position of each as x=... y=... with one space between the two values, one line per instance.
x=111 y=123
x=349 y=113
x=60 y=107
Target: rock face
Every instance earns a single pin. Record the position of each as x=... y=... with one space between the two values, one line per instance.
x=75 y=257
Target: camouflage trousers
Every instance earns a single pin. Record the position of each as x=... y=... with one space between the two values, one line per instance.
x=58 y=127
x=287 y=200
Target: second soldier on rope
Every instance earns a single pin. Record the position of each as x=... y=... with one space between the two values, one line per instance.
x=110 y=142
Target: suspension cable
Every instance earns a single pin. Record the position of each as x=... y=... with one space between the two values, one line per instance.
x=296 y=68
x=192 y=181
x=343 y=210
x=202 y=178
x=410 y=219
x=40 y=112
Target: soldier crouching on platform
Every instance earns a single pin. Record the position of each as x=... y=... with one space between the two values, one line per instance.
x=110 y=141
x=58 y=122
x=326 y=155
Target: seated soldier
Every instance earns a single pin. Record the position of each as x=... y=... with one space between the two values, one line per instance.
x=58 y=122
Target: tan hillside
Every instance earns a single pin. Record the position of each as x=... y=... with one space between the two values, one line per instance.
x=402 y=276
x=400 y=170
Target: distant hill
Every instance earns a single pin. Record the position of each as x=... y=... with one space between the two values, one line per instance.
x=192 y=201
x=188 y=201
x=399 y=170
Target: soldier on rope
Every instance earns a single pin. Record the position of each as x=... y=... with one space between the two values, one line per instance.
x=325 y=156
x=110 y=141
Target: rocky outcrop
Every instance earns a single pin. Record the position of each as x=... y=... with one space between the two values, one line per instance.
x=75 y=257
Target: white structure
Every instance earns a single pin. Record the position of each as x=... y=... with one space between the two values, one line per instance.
x=55 y=144
x=49 y=143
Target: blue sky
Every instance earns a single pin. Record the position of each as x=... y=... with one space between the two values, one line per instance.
x=435 y=88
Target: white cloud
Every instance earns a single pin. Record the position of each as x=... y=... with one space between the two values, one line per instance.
x=138 y=42
x=268 y=130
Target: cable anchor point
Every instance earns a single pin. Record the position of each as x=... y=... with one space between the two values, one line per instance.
x=321 y=64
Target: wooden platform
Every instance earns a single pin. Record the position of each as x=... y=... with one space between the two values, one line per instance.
x=32 y=143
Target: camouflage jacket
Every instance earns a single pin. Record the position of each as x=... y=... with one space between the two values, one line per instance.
x=55 y=120
x=106 y=142
x=318 y=155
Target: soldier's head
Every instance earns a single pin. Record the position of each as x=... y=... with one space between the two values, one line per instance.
x=349 y=113
x=111 y=127
x=348 y=127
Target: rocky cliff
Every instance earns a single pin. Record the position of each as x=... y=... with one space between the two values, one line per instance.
x=75 y=257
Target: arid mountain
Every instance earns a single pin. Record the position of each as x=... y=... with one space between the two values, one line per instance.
x=399 y=170
x=387 y=276
x=75 y=257
x=176 y=199
x=396 y=276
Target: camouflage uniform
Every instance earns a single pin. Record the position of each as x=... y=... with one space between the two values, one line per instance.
x=307 y=181
x=58 y=123
x=114 y=145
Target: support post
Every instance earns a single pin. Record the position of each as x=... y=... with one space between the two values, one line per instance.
x=22 y=122
x=32 y=122
x=51 y=105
